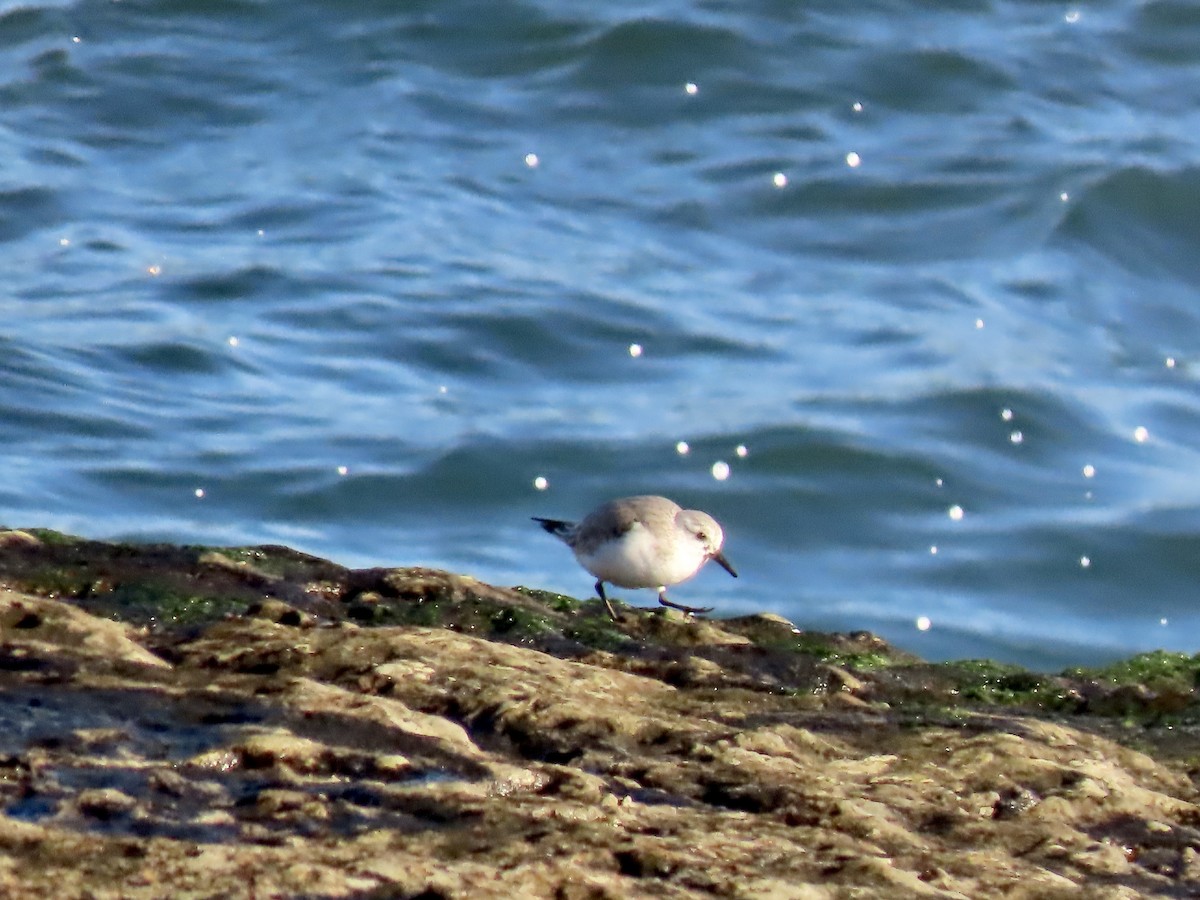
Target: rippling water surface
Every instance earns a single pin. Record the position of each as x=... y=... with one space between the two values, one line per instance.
x=351 y=276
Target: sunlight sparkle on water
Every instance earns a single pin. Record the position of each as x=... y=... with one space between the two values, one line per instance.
x=343 y=470
x=924 y=623
x=199 y=492
x=531 y=160
x=691 y=88
x=1017 y=437
x=853 y=160
x=779 y=180
x=1085 y=562
x=682 y=448
x=1141 y=434
x=720 y=470
x=1089 y=471
x=635 y=350
x=955 y=512
x=541 y=483
x=741 y=450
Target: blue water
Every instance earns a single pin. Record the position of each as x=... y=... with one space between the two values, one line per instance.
x=352 y=276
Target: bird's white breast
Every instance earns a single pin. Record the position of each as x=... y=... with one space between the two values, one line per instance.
x=637 y=560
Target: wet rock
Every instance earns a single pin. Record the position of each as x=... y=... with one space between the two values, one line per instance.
x=105 y=803
x=281 y=613
x=838 y=679
x=1013 y=802
x=264 y=723
x=1102 y=859
x=266 y=750
x=14 y=539
x=39 y=623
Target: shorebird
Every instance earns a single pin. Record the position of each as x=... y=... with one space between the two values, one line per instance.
x=643 y=542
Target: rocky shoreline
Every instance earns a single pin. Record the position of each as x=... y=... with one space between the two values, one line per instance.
x=256 y=722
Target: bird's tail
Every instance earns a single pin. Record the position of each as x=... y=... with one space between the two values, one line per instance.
x=556 y=527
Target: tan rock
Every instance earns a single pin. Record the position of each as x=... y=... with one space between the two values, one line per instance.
x=36 y=622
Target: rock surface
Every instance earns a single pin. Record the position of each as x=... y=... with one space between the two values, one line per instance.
x=254 y=722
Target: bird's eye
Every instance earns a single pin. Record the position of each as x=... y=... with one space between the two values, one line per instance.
x=700 y=535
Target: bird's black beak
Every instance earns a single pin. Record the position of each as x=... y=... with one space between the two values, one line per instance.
x=720 y=560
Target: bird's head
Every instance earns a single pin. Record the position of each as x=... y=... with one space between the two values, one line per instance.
x=704 y=528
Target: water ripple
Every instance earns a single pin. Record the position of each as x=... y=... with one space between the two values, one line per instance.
x=906 y=298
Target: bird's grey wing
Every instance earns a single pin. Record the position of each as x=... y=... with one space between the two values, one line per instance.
x=603 y=524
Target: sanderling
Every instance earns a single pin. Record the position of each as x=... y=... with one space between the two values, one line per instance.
x=641 y=542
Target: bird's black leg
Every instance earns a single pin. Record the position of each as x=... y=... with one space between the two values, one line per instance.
x=691 y=610
x=612 y=612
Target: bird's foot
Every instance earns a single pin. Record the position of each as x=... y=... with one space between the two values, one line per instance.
x=690 y=610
